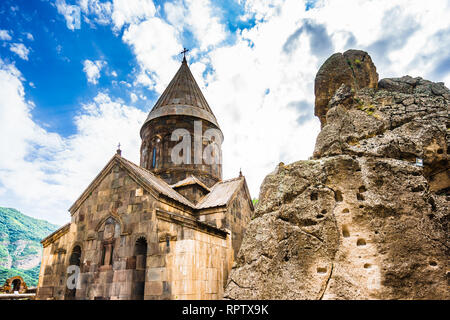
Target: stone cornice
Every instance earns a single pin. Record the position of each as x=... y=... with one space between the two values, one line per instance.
x=190 y=222
x=55 y=235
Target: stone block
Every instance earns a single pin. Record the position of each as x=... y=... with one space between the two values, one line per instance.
x=156 y=274
x=154 y=288
x=212 y=286
x=156 y=261
x=120 y=276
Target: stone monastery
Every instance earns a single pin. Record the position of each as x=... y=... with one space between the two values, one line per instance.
x=163 y=229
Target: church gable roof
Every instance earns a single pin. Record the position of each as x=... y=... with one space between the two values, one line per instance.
x=142 y=176
x=221 y=193
x=182 y=97
x=190 y=181
x=157 y=183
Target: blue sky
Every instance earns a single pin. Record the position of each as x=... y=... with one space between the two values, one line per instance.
x=58 y=84
x=70 y=93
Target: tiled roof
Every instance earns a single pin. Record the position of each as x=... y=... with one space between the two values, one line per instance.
x=220 y=193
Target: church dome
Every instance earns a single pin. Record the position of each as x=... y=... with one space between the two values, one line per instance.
x=182 y=106
x=182 y=97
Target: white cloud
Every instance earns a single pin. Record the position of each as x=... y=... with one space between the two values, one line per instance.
x=263 y=9
x=200 y=18
x=71 y=14
x=92 y=70
x=133 y=97
x=154 y=42
x=36 y=168
x=29 y=36
x=4 y=35
x=258 y=93
x=100 y=10
x=20 y=50
x=131 y=11
x=400 y=35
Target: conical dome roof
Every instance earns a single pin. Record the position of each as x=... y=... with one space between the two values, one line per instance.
x=182 y=97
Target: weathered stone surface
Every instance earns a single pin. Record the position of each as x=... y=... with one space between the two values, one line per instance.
x=353 y=68
x=392 y=124
x=361 y=220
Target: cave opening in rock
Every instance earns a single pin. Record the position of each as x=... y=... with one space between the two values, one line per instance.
x=345 y=231
x=361 y=242
x=321 y=270
x=338 y=196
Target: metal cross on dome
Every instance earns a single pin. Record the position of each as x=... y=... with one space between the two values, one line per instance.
x=184 y=53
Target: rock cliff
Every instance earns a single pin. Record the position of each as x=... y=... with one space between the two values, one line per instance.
x=353 y=68
x=368 y=216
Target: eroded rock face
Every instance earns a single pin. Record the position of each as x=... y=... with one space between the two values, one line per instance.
x=353 y=68
x=392 y=124
x=361 y=220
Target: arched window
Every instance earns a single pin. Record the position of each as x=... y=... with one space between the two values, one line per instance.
x=75 y=257
x=140 y=253
x=154 y=158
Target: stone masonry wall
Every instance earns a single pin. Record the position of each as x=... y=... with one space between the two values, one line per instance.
x=162 y=128
x=182 y=260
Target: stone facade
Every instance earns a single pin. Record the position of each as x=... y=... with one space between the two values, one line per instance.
x=161 y=231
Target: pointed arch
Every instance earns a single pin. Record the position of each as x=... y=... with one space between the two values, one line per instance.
x=114 y=216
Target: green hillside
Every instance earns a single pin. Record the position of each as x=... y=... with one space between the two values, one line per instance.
x=20 y=248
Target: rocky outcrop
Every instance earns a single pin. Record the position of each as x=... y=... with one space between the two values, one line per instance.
x=353 y=68
x=363 y=219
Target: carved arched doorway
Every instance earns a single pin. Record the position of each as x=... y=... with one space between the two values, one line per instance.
x=140 y=253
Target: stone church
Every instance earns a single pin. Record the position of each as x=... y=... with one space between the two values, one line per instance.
x=163 y=229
